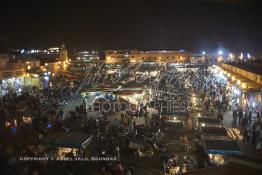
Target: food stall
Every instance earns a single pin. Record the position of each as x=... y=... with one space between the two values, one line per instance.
x=136 y=144
x=69 y=142
x=174 y=121
x=214 y=131
x=206 y=121
x=219 y=147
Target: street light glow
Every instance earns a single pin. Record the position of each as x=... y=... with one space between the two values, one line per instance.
x=220 y=52
x=248 y=56
x=241 y=56
x=231 y=55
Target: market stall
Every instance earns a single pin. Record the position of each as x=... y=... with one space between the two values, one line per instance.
x=69 y=142
x=219 y=147
x=206 y=121
x=214 y=131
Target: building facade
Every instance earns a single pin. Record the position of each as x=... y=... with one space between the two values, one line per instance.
x=136 y=56
x=248 y=84
x=12 y=70
x=11 y=76
x=63 y=54
x=3 y=59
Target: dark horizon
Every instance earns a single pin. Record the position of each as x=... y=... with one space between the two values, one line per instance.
x=190 y=25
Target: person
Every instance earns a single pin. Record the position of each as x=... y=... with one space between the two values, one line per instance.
x=186 y=143
x=240 y=115
x=128 y=171
x=131 y=169
x=175 y=160
x=259 y=147
x=186 y=164
x=249 y=116
x=258 y=130
x=170 y=163
x=119 y=169
x=207 y=105
x=254 y=135
x=234 y=116
x=248 y=135
x=244 y=122
x=258 y=116
x=220 y=116
x=164 y=160
x=212 y=107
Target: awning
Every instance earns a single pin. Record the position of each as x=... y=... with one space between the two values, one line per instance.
x=209 y=120
x=225 y=147
x=69 y=140
x=214 y=130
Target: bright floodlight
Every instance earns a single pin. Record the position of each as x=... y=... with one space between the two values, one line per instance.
x=248 y=56
x=231 y=55
x=241 y=55
x=220 y=52
x=203 y=52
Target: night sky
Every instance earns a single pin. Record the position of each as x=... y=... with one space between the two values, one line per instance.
x=193 y=25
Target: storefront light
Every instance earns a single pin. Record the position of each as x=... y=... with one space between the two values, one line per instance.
x=238 y=82
x=244 y=85
x=236 y=91
x=231 y=55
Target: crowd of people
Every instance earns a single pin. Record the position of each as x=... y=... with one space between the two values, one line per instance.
x=38 y=112
x=218 y=99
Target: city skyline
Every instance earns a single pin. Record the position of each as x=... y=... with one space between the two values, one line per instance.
x=131 y=87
